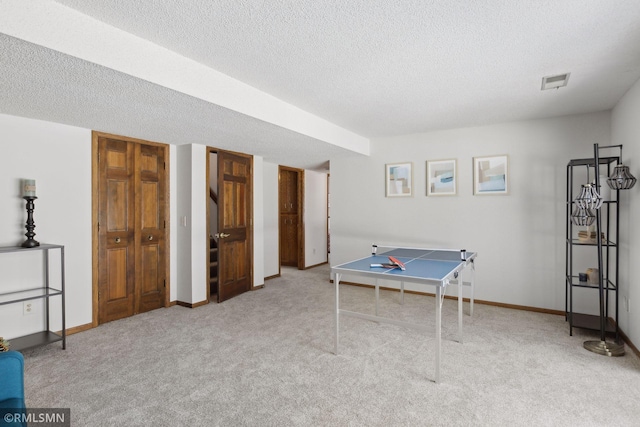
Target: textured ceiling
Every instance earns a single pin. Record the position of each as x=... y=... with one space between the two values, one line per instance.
x=373 y=67
x=99 y=98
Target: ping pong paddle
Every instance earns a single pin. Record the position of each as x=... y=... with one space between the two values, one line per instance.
x=383 y=265
x=396 y=261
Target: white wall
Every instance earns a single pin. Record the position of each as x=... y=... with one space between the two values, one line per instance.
x=315 y=218
x=183 y=243
x=193 y=196
x=625 y=130
x=258 y=222
x=520 y=237
x=270 y=219
x=173 y=223
x=58 y=157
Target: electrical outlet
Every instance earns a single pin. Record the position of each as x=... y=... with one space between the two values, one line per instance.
x=27 y=307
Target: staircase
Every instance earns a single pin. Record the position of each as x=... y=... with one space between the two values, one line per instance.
x=213 y=266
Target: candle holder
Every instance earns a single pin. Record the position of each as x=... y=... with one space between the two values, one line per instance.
x=30 y=242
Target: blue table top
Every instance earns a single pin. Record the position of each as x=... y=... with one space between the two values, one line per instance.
x=433 y=265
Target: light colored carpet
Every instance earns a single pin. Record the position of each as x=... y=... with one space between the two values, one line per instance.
x=265 y=359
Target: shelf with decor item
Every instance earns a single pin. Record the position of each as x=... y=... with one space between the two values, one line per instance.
x=576 y=282
x=590 y=207
x=44 y=292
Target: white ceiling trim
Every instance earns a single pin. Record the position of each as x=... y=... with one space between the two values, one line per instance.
x=65 y=30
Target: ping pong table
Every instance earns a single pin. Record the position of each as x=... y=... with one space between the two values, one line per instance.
x=435 y=267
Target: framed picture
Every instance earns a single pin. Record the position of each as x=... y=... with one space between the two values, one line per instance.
x=491 y=175
x=441 y=178
x=399 y=179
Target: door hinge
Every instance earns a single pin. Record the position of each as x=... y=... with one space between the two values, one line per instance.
x=165 y=223
x=164 y=283
x=164 y=165
x=98 y=226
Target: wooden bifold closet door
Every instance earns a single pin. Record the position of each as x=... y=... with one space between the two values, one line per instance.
x=131 y=228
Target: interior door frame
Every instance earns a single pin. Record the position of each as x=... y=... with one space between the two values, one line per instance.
x=301 y=237
x=95 y=135
x=211 y=150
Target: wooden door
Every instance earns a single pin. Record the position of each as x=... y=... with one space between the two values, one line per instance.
x=289 y=217
x=116 y=230
x=150 y=256
x=131 y=209
x=234 y=214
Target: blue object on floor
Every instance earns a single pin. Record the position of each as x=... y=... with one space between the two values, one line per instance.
x=12 y=403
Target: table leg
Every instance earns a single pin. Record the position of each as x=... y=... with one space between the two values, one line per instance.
x=337 y=312
x=64 y=327
x=438 y=331
x=460 y=310
x=377 y=296
x=401 y=292
x=473 y=280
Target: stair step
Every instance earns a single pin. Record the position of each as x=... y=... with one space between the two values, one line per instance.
x=213 y=264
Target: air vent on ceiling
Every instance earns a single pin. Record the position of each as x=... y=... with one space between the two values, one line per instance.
x=554 y=82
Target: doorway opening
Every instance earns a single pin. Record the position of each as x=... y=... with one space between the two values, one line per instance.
x=290 y=211
x=212 y=205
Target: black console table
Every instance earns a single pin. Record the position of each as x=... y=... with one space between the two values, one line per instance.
x=46 y=292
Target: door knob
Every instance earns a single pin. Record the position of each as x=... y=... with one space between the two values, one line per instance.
x=150 y=238
x=222 y=235
x=117 y=240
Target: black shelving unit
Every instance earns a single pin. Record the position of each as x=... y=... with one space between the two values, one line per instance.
x=45 y=292
x=607 y=222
